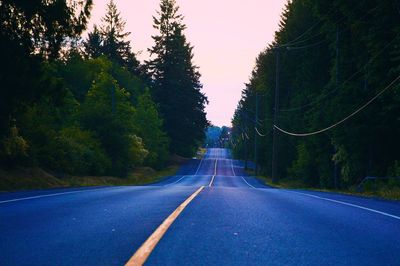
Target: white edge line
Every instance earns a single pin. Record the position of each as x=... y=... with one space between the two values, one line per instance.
x=51 y=195
x=233 y=170
x=247 y=182
x=234 y=174
x=175 y=181
x=349 y=204
x=198 y=168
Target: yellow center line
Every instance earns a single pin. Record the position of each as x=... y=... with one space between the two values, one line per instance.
x=141 y=255
x=212 y=180
x=215 y=173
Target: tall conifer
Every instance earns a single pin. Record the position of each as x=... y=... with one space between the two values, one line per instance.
x=176 y=81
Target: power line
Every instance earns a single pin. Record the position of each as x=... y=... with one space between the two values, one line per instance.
x=305 y=46
x=305 y=40
x=341 y=121
x=258 y=132
x=296 y=42
x=343 y=83
x=301 y=35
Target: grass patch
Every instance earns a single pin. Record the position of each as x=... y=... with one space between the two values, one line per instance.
x=145 y=175
x=387 y=190
x=36 y=178
x=384 y=188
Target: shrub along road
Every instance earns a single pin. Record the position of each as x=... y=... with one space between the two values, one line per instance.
x=234 y=220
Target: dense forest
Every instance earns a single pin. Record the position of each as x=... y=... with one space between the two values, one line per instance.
x=322 y=105
x=218 y=137
x=82 y=103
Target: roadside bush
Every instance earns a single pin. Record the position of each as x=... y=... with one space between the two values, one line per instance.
x=13 y=147
x=78 y=152
x=108 y=112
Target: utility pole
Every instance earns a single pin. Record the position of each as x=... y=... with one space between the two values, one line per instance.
x=276 y=109
x=113 y=100
x=246 y=153
x=255 y=137
x=335 y=166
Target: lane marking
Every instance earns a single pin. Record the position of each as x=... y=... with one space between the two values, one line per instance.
x=175 y=181
x=349 y=204
x=198 y=168
x=215 y=173
x=247 y=182
x=141 y=255
x=233 y=171
x=234 y=174
x=212 y=180
x=51 y=195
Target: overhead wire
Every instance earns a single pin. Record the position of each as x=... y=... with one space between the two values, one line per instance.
x=306 y=46
x=295 y=42
x=342 y=120
x=259 y=133
x=300 y=36
x=319 y=99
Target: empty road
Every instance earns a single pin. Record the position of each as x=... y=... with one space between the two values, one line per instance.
x=233 y=220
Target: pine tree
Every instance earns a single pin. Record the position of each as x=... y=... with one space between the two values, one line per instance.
x=31 y=32
x=93 y=44
x=177 y=86
x=336 y=55
x=111 y=40
x=115 y=45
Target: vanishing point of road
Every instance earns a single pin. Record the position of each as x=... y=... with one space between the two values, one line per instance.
x=210 y=213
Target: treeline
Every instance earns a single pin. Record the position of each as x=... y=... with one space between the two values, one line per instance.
x=217 y=137
x=334 y=57
x=87 y=106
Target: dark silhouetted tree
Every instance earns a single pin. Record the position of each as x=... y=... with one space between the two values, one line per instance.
x=176 y=84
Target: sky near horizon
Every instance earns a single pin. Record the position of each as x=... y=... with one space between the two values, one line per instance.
x=227 y=36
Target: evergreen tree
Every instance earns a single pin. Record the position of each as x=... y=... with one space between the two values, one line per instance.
x=115 y=128
x=111 y=40
x=334 y=56
x=150 y=128
x=93 y=44
x=32 y=32
x=176 y=84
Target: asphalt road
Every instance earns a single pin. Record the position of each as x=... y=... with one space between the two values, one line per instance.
x=235 y=220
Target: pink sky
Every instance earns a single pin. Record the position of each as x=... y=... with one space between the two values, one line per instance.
x=227 y=35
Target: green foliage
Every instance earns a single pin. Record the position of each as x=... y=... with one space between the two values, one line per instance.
x=80 y=152
x=303 y=167
x=30 y=33
x=149 y=126
x=136 y=150
x=110 y=41
x=176 y=86
x=108 y=112
x=213 y=135
x=57 y=143
x=334 y=57
x=13 y=147
x=92 y=112
x=394 y=170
